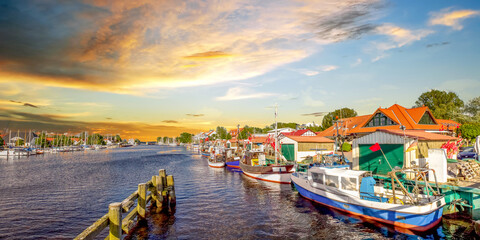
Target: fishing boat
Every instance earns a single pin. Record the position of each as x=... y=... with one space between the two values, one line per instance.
x=255 y=164
x=357 y=194
x=231 y=159
x=216 y=161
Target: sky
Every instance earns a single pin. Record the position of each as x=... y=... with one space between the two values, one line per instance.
x=144 y=69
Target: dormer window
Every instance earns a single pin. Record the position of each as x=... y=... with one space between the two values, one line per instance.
x=380 y=120
x=426 y=119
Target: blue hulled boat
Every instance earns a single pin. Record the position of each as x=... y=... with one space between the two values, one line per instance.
x=357 y=193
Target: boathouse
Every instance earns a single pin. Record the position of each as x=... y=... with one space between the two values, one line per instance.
x=296 y=148
x=393 y=145
x=393 y=118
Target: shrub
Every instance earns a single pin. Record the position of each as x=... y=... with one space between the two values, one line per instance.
x=346 y=147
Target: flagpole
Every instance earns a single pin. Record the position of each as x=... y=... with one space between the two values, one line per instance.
x=386 y=159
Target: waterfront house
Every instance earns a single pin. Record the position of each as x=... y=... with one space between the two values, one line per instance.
x=297 y=148
x=393 y=118
x=393 y=144
x=301 y=132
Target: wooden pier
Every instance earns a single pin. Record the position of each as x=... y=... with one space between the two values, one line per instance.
x=161 y=195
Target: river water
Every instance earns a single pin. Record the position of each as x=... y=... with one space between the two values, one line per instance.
x=57 y=196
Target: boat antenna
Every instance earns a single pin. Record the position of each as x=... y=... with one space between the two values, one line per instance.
x=276 y=135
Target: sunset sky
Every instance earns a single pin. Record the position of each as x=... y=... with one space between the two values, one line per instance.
x=158 y=68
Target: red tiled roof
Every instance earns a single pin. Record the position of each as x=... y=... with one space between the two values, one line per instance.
x=400 y=115
x=419 y=134
x=297 y=133
x=258 y=139
x=311 y=139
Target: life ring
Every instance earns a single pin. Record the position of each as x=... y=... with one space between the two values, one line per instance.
x=390 y=200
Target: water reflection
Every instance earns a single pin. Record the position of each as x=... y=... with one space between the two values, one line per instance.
x=57 y=196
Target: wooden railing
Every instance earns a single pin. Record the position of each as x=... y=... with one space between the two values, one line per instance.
x=162 y=195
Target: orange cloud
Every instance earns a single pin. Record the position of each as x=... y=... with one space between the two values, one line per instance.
x=58 y=123
x=452 y=19
x=135 y=47
x=208 y=55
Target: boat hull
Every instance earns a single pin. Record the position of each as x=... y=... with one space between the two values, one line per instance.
x=272 y=173
x=233 y=164
x=216 y=164
x=283 y=178
x=405 y=220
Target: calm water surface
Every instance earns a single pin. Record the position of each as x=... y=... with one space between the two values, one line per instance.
x=56 y=196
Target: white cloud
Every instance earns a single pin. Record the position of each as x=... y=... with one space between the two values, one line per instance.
x=397 y=37
x=452 y=19
x=307 y=72
x=400 y=36
x=239 y=93
x=357 y=62
x=328 y=68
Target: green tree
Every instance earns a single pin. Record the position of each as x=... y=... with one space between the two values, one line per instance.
x=159 y=139
x=444 y=105
x=470 y=131
x=137 y=141
x=222 y=133
x=2 y=142
x=41 y=141
x=340 y=113
x=95 y=139
x=473 y=108
x=118 y=139
x=19 y=142
x=185 y=137
x=165 y=139
x=284 y=125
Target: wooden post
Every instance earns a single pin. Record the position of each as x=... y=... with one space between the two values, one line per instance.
x=142 y=200
x=115 y=219
x=171 y=191
x=163 y=176
x=154 y=190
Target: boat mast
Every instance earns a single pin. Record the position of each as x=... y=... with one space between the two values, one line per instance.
x=276 y=136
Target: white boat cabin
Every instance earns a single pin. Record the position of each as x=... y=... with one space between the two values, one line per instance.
x=343 y=179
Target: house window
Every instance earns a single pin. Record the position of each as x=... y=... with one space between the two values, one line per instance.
x=380 y=120
x=426 y=119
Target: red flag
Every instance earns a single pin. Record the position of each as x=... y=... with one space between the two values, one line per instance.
x=206 y=139
x=375 y=147
x=250 y=138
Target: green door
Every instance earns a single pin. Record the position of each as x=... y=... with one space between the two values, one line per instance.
x=375 y=161
x=288 y=151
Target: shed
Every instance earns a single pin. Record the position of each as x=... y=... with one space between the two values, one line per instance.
x=295 y=148
x=394 y=143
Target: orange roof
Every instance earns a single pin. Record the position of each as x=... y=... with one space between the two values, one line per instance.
x=417 y=113
x=398 y=114
x=258 y=139
x=419 y=134
x=310 y=139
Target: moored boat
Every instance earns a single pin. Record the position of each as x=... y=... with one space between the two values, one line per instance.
x=233 y=164
x=357 y=194
x=255 y=165
x=216 y=161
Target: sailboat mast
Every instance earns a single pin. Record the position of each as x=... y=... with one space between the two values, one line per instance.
x=276 y=135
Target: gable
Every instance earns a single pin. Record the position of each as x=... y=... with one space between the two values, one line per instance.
x=427 y=119
x=380 y=119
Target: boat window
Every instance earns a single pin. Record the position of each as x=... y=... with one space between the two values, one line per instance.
x=317 y=177
x=331 y=181
x=349 y=183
